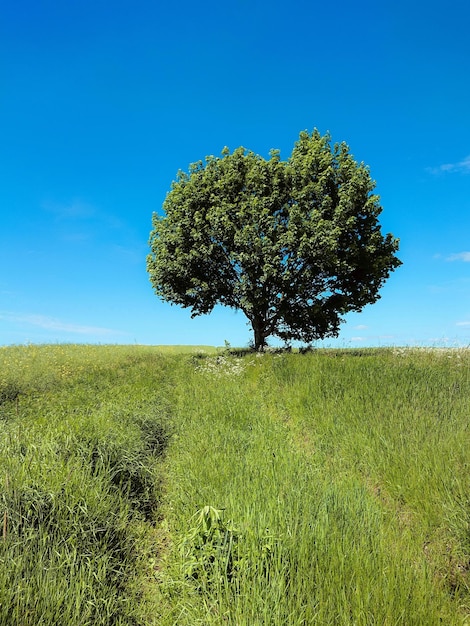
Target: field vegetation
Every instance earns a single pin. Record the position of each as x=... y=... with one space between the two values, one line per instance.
x=149 y=486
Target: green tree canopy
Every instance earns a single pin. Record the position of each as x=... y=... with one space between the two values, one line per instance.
x=293 y=244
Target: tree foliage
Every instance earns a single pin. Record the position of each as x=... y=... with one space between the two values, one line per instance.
x=294 y=244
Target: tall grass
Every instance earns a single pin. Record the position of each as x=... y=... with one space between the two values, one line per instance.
x=82 y=433
x=343 y=479
x=322 y=488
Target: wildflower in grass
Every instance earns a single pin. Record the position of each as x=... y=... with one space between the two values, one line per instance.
x=222 y=366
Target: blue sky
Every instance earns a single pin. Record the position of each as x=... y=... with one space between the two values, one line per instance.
x=102 y=102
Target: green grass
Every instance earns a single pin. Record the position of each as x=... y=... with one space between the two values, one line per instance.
x=179 y=487
x=82 y=431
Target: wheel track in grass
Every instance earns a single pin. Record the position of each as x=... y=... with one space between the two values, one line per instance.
x=437 y=549
x=216 y=402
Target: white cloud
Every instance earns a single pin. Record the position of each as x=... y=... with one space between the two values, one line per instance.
x=358 y=338
x=51 y=323
x=459 y=256
x=463 y=324
x=459 y=167
x=360 y=327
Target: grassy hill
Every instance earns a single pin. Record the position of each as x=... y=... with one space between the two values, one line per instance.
x=146 y=485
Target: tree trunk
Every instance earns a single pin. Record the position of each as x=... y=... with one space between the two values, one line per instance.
x=259 y=336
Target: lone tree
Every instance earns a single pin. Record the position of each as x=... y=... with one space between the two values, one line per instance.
x=294 y=244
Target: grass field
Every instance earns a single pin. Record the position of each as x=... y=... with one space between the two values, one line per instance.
x=175 y=486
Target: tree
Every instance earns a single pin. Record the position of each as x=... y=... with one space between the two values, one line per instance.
x=293 y=244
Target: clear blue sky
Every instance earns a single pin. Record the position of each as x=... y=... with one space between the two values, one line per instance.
x=102 y=102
